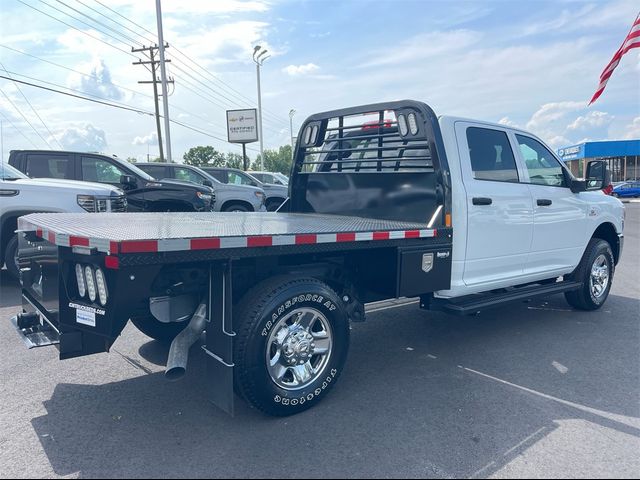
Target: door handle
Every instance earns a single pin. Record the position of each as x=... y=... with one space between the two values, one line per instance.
x=482 y=201
x=543 y=202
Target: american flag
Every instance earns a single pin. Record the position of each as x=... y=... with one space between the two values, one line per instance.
x=632 y=40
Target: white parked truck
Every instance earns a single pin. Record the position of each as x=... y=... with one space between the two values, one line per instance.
x=385 y=201
x=21 y=195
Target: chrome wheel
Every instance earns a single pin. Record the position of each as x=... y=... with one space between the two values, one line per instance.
x=299 y=348
x=599 y=278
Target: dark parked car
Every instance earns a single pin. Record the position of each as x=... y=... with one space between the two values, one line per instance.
x=229 y=198
x=627 y=189
x=276 y=194
x=144 y=192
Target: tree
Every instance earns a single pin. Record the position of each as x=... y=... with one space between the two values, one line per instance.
x=233 y=160
x=131 y=159
x=204 y=156
x=275 y=160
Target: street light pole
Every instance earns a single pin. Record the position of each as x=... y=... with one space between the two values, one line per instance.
x=292 y=112
x=163 y=77
x=259 y=58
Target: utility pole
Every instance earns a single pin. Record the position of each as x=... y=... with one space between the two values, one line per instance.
x=163 y=76
x=151 y=52
x=1 y=142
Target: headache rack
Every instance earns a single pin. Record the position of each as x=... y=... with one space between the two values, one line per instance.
x=367 y=146
x=381 y=161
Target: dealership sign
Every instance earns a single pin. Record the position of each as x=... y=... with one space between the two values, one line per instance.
x=570 y=153
x=242 y=126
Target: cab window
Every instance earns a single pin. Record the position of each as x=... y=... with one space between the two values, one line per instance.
x=542 y=166
x=95 y=169
x=237 y=179
x=188 y=175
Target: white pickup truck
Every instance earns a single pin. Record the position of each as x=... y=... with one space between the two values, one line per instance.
x=21 y=195
x=385 y=201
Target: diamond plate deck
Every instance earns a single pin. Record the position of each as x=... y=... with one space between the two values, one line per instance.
x=156 y=232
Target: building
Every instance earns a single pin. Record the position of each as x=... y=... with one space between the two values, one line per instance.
x=622 y=156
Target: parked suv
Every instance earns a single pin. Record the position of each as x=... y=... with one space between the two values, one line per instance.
x=144 y=193
x=274 y=178
x=229 y=198
x=22 y=195
x=276 y=193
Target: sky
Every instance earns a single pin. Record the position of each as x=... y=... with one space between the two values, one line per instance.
x=531 y=64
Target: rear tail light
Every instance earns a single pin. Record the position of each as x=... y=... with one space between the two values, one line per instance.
x=91 y=283
x=102 y=287
x=82 y=286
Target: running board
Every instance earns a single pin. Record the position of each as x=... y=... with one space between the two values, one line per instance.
x=472 y=304
x=33 y=332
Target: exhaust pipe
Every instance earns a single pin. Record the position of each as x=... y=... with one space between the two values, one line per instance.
x=179 y=351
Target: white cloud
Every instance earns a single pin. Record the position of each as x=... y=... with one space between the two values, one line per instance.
x=507 y=121
x=151 y=139
x=591 y=120
x=96 y=81
x=84 y=138
x=422 y=47
x=232 y=41
x=549 y=113
x=295 y=70
x=633 y=130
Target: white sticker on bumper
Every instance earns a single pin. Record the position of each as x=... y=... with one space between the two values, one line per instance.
x=86 y=318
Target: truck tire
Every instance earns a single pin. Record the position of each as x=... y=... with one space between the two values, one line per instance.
x=163 y=332
x=11 y=257
x=595 y=271
x=236 y=207
x=273 y=204
x=291 y=344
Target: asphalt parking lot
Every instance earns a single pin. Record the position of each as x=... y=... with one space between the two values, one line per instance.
x=531 y=390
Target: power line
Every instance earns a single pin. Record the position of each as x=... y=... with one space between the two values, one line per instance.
x=82 y=21
x=23 y=115
x=77 y=29
x=72 y=70
x=245 y=100
x=18 y=130
x=117 y=32
x=184 y=110
x=33 y=109
x=110 y=104
x=114 y=105
x=108 y=18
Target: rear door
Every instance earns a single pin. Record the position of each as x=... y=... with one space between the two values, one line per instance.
x=499 y=207
x=560 y=216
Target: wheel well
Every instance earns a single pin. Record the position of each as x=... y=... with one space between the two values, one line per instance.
x=228 y=203
x=607 y=232
x=8 y=227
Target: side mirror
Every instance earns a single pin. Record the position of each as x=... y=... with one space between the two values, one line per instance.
x=207 y=183
x=128 y=181
x=598 y=175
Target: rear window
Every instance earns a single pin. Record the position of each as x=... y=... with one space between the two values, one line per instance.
x=49 y=166
x=156 y=171
x=491 y=155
